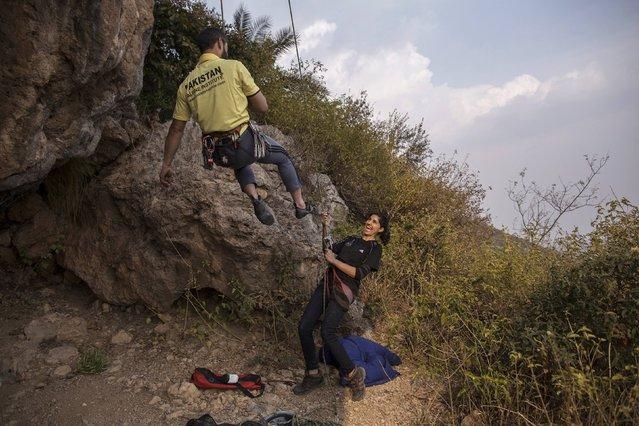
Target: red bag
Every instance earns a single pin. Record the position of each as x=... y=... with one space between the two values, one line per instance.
x=204 y=378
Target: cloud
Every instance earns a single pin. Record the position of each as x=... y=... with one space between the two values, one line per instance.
x=313 y=41
x=315 y=33
x=400 y=78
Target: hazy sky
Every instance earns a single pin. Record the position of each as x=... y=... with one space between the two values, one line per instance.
x=506 y=84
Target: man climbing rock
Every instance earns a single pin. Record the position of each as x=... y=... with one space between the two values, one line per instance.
x=217 y=94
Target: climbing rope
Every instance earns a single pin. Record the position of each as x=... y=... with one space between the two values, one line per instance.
x=299 y=65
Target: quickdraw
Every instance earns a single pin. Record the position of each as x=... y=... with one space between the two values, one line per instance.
x=260 y=144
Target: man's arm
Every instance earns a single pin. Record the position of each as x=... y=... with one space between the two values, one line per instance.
x=171 y=145
x=258 y=102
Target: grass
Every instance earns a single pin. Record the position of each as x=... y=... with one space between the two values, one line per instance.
x=92 y=361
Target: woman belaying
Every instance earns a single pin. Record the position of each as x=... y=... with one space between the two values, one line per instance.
x=349 y=260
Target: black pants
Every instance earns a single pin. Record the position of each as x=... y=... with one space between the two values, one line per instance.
x=333 y=315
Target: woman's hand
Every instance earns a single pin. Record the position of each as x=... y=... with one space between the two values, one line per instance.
x=325 y=218
x=329 y=256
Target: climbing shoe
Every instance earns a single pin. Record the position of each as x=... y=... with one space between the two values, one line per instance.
x=310 y=209
x=356 y=383
x=262 y=211
x=309 y=382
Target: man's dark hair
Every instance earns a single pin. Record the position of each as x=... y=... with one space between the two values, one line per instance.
x=208 y=37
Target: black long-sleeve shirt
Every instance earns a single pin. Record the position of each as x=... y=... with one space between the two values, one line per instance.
x=364 y=255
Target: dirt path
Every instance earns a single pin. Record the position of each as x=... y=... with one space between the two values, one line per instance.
x=46 y=326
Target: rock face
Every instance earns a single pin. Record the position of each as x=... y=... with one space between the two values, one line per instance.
x=150 y=243
x=71 y=68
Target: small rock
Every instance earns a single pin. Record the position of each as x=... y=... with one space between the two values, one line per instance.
x=61 y=354
x=173 y=390
x=121 y=338
x=62 y=371
x=170 y=357
x=188 y=391
x=161 y=328
x=281 y=389
x=40 y=385
x=41 y=329
x=106 y=308
x=46 y=308
x=71 y=329
x=165 y=407
x=155 y=400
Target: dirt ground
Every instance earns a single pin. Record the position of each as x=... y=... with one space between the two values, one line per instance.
x=150 y=361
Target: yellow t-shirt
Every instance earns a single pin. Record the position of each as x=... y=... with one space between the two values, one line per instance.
x=215 y=94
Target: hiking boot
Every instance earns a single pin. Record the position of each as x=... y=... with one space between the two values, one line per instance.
x=308 y=384
x=310 y=209
x=356 y=383
x=262 y=211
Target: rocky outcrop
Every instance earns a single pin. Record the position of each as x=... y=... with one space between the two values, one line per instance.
x=71 y=71
x=145 y=242
x=71 y=68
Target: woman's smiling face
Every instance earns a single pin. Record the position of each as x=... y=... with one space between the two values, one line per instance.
x=372 y=227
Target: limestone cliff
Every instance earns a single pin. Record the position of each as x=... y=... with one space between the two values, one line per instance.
x=71 y=68
x=145 y=242
x=71 y=72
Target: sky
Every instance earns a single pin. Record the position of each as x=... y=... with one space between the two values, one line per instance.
x=506 y=85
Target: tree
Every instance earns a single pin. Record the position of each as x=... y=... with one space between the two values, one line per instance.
x=251 y=40
x=172 y=52
x=409 y=142
x=540 y=209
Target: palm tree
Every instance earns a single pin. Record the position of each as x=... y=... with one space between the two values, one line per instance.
x=258 y=32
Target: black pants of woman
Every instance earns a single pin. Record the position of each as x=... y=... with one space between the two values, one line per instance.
x=333 y=316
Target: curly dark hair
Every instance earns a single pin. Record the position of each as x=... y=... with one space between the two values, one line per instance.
x=384 y=222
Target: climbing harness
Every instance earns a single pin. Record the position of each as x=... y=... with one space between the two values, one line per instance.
x=221 y=147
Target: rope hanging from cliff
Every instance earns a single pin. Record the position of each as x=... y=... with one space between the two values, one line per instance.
x=299 y=65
